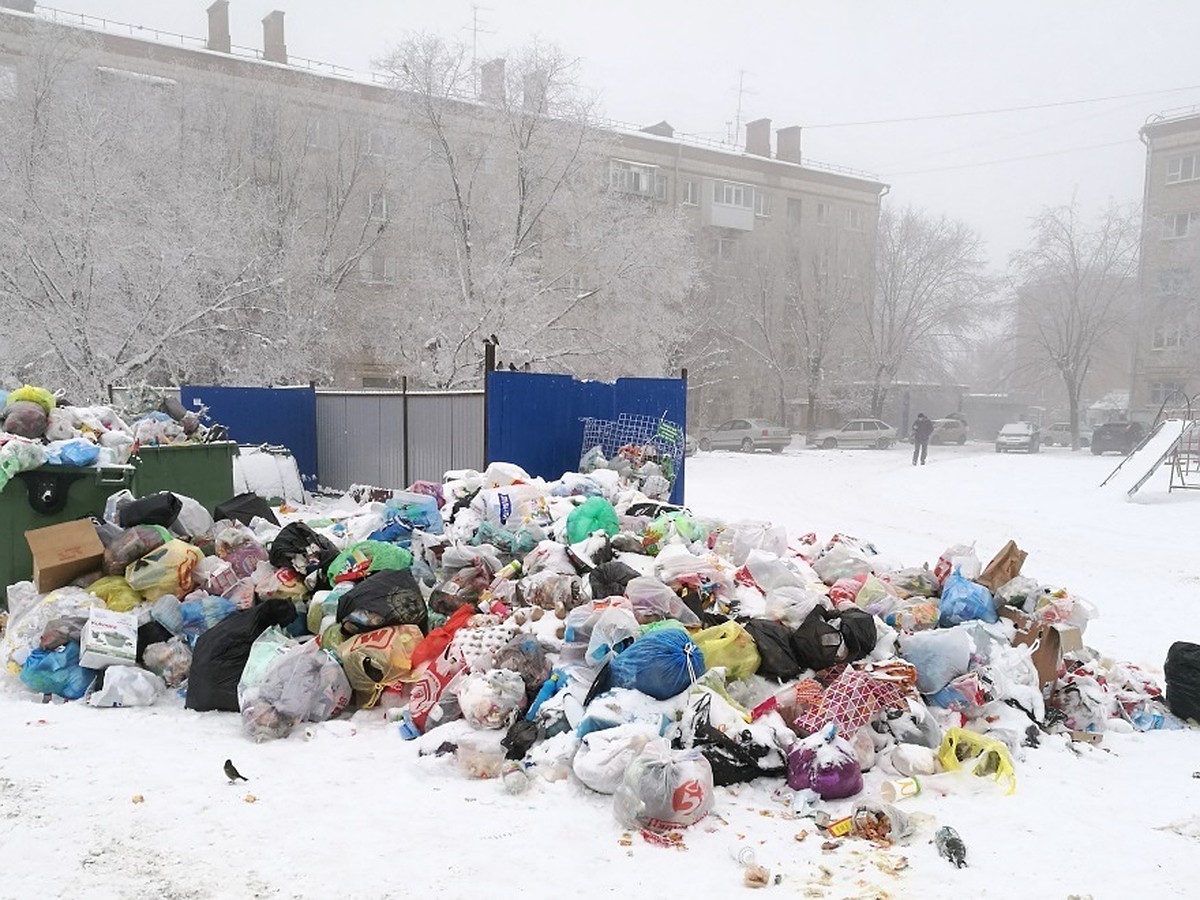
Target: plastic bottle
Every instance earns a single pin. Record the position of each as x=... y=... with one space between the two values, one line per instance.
x=743 y=855
x=951 y=846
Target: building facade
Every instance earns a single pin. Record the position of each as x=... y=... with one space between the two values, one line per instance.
x=736 y=201
x=1166 y=365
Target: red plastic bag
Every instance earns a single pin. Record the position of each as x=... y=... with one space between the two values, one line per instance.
x=439 y=639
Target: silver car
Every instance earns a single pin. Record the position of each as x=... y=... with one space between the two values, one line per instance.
x=855 y=433
x=746 y=435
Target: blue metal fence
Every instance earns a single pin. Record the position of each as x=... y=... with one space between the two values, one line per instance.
x=536 y=421
x=255 y=415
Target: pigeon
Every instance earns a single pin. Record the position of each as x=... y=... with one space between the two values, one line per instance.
x=233 y=774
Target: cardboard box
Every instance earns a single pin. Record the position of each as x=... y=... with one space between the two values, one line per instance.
x=63 y=552
x=1053 y=640
x=108 y=639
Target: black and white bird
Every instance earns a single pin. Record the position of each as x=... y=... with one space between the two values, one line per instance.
x=232 y=773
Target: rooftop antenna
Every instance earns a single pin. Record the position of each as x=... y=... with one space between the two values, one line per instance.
x=476 y=30
x=737 y=116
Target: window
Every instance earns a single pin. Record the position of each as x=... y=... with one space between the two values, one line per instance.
x=8 y=83
x=1172 y=284
x=1179 y=225
x=1183 y=168
x=378 y=203
x=635 y=178
x=854 y=219
x=730 y=193
x=689 y=192
x=724 y=248
x=1165 y=391
x=822 y=213
x=374 y=142
x=375 y=268
x=795 y=210
x=762 y=205
x=1167 y=336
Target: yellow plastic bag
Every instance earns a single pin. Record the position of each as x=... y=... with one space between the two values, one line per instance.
x=40 y=396
x=729 y=645
x=116 y=593
x=167 y=570
x=378 y=659
x=963 y=750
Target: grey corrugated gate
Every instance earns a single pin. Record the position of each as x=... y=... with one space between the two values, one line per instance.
x=362 y=438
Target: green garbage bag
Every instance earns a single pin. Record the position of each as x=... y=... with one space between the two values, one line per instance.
x=594 y=514
x=365 y=557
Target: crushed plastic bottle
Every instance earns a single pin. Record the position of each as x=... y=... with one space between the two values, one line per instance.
x=951 y=846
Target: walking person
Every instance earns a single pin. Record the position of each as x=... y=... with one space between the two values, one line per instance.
x=922 y=428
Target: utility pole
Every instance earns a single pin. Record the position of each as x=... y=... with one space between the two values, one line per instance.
x=476 y=30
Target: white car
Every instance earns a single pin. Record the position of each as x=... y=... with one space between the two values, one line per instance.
x=855 y=433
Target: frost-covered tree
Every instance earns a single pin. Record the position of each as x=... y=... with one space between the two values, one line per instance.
x=516 y=230
x=145 y=239
x=1074 y=285
x=930 y=288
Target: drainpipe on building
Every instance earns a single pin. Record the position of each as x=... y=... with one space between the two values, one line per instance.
x=1139 y=308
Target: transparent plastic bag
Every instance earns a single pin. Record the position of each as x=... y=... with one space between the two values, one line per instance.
x=664 y=789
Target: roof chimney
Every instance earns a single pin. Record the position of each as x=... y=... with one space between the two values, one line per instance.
x=274 y=48
x=491 y=82
x=787 y=144
x=535 y=91
x=758 y=137
x=218 y=26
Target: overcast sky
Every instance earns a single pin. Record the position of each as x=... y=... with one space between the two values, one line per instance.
x=820 y=63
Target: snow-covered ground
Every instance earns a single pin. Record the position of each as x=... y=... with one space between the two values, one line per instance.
x=349 y=809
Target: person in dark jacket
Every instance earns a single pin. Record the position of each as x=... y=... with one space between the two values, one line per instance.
x=922 y=428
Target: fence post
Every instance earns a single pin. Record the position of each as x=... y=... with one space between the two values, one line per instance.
x=404 y=417
x=489 y=366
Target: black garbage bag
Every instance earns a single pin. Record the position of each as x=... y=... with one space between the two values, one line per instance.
x=774 y=642
x=389 y=597
x=221 y=653
x=610 y=578
x=830 y=636
x=150 y=633
x=1182 y=671
x=155 y=509
x=301 y=549
x=736 y=757
x=243 y=508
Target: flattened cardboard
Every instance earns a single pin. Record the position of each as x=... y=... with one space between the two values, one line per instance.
x=63 y=552
x=1004 y=567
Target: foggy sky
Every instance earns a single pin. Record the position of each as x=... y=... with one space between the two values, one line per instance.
x=813 y=63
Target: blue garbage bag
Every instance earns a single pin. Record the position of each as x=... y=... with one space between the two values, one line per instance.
x=963 y=600
x=660 y=664
x=72 y=453
x=57 y=672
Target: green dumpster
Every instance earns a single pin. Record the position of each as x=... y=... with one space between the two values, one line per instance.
x=203 y=472
x=45 y=496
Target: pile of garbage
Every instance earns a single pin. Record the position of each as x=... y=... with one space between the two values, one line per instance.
x=578 y=628
x=37 y=429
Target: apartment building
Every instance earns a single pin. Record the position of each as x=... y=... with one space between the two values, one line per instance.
x=734 y=197
x=1166 y=365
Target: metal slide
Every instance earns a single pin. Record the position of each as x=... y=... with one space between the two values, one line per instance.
x=1151 y=452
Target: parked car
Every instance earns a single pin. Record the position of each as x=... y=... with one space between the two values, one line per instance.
x=1059 y=434
x=746 y=435
x=1019 y=436
x=1121 y=436
x=948 y=431
x=855 y=433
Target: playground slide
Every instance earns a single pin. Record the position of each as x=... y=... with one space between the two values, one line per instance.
x=1137 y=468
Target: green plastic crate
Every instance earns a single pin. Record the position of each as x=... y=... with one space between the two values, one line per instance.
x=203 y=472
x=47 y=496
